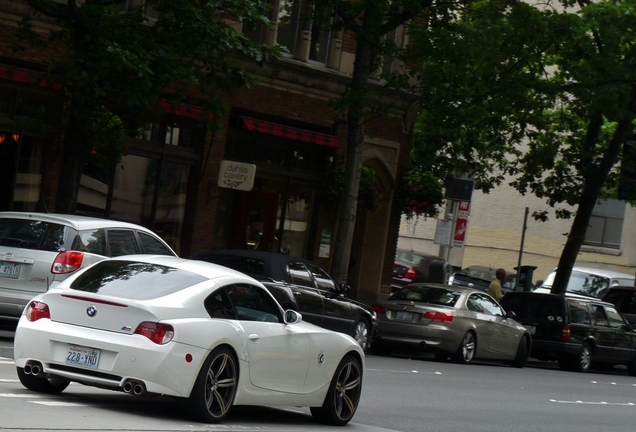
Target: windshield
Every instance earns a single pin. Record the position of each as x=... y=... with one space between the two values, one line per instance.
x=582 y=283
x=425 y=294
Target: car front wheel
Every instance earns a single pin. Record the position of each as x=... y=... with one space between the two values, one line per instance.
x=344 y=394
x=583 y=360
x=215 y=387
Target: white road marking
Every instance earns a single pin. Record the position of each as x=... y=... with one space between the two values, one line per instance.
x=58 y=404
x=594 y=403
x=612 y=383
x=402 y=371
x=9 y=380
x=18 y=395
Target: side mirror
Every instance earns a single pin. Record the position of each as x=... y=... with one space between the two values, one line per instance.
x=344 y=288
x=292 y=317
x=511 y=314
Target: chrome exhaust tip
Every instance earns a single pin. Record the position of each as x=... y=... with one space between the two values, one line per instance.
x=134 y=387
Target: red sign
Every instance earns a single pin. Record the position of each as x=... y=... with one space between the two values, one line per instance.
x=461 y=223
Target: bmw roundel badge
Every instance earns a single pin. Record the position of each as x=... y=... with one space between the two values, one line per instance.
x=91 y=311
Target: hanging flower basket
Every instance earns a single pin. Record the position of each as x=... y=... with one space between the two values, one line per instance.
x=369 y=193
x=419 y=193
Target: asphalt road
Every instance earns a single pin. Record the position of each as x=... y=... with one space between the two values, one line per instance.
x=405 y=393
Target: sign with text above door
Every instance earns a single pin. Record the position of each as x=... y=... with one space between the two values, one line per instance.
x=237 y=175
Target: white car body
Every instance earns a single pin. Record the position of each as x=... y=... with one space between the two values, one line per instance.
x=279 y=363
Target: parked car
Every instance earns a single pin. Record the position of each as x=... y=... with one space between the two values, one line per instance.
x=479 y=277
x=301 y=285
x=589 y=281
x=410 y=266
x=624 y=298
x=38 y=250
x=576 y=331
x=188 y=327
x=463 y=323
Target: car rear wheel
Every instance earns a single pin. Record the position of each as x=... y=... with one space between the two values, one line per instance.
x=343 y=396
x=42 y=385
x=583 y=360
x=361 y=333
x=214 y=390
x=467 y=349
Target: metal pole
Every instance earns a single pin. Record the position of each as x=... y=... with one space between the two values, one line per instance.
x=523 y=237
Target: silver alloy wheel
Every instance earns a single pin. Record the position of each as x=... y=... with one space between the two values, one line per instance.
x=220 y=385
x=585 y=358
x=348 y=389
x=468 y=347
x=361 y=333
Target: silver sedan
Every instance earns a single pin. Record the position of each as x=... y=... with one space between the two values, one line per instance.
x=446 y=320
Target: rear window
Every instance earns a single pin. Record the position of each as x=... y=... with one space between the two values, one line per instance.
x=408 y=257
x=134 y=280
x=533 y=306
x=424 y=294
x=583 y=283
x=34 y=234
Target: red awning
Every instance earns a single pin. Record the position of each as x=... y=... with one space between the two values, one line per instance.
x=24 y=76
x=289 y=132
x=185 y=111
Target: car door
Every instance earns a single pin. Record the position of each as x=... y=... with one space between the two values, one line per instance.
x=338 y=313
x=603 y=334
x=501 y=332
x=624 y=339
x=278 y=353
x=310 y=301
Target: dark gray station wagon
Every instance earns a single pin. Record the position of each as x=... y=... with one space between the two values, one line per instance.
x=576 y=331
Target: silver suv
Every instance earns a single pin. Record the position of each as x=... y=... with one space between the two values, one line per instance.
x=38 y=250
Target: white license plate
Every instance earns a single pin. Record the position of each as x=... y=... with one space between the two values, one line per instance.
x=530 y=329
x=10 y=270
x=404 y=316
x=82 y=356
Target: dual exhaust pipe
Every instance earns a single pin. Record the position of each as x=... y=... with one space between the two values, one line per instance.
x=33 y=367
x=134 y=387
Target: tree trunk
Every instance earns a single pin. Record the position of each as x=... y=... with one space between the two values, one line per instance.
x=594 y=182
x=75 y=152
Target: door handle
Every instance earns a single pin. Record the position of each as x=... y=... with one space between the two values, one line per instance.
x=253 y=337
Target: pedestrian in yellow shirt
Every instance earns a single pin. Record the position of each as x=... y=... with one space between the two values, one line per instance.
x=494 y=289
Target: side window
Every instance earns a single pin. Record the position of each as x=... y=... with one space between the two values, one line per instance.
x=614 y=318
x=579 y=313
x=122 y=242
x=300 y=275
x=151 y=245
x=218 y=305
x=600 y=319
x=93 y=241
x=323 y=280
x=253 y=304
x=486 y=304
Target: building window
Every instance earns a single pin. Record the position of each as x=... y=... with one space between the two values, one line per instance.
x=606 y=224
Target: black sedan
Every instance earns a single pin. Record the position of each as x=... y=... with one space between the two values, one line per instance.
x=301 y=284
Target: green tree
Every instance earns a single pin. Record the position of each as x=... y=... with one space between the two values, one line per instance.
x=543 y=93
x=117 y=63
x=370 y=21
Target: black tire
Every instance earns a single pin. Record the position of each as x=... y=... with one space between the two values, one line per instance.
x=467 y=349
x=361 y=333
x=522 y=353
x=215 y=387
x=343 y=395
x=42 y=385
x=380 y=348
x=583 y=360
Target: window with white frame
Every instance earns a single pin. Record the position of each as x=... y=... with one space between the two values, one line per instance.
x=606 y=224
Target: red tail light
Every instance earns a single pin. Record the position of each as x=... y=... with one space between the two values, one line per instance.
x=410 y=273
x=67 y=262
x=565 y=334
x=159 y=333
x=37 y=310
x=379 y=309
x=439 y=316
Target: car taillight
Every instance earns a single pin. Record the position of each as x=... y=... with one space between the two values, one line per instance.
x=67 y=262
x=565 y=333
x=410 y=273
x=159 y=333
x=37 y=310
x=439 y=316
x=379 y=309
